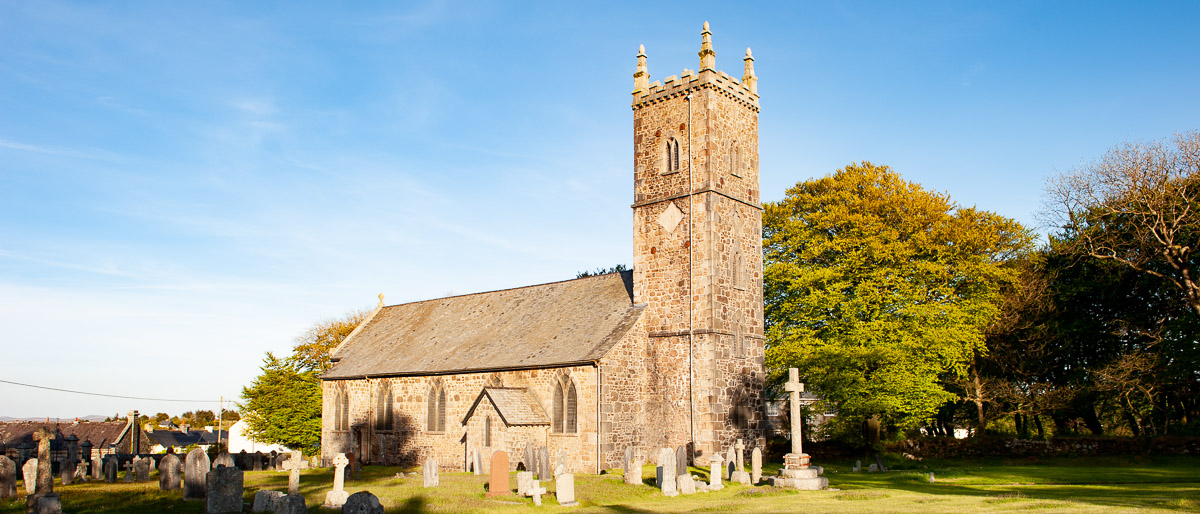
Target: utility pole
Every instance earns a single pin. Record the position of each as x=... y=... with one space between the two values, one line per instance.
x=220 y=417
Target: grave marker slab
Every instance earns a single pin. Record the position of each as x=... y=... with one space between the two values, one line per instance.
x=633 y=468
x=110 y=468
x=431 y=472
x=97 y=468
x=224 y=459
x=224 y=486
x=544 y=470
x=498 y=479
x=256 y=461
x=8 y=477
x=168 y=472
x=756 y=466
x=291 y=504
x=714 y=475
x=477 y=463
x=524 y=482
x=687 y=485
x=564 y=489
x=265 y=501
x=141 y=469
x=195 y=470
x=29 y=475
x=681 y=461
x=362 y=502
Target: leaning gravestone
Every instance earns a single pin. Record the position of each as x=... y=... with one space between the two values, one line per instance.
x=544 y=471
x=168 y=473
x=362 y=502
x=756 y=466
x=667 y=479
x=687 y=485
x=477 y=462
x=195 y=468
x=681 y=463
x=8 y=477
x=265 y=501
x=536 y=491
x=498 y=479
x=224 y=459
x=337 y=497
x=224 y=490
x=431 y=472
x=633 y=469
x=564 y=489
x=29 y=475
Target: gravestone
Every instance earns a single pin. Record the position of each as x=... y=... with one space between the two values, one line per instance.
x=686 y=484
x=536 y=491
x=224 y=486
x=477 y=463
x=362 y=502
x=150 y=463
x=857 y=466
x=544 y=470
x=256 y=461
x=43 y=499
x=796 y=472
x=714 y=475
x=195 y=468
x=756 y=466
x=141 y=468
x=667 y=477
x=564 y=489
x=168 y=472
x=271 y=460
x=81 y=473
x=224 y=459
x=530 y=458
x=524 y=482
x=110 y=468
x=265 y=501
x=730 y=461
x=498 y=480
x=66 y=472
x=633 y=469
x=97 y=468
x=431 y=472
x=29 y=475
x=739 y=474
x=352 y=467
x=292 y=466
x=681 y=462
x=86 y=457
x=561 y=459
x=337 y=497
x=243 y=461
x=291 y=504
x=128 y=471
x=8 y=477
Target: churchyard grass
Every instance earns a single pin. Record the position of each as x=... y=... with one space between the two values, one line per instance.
x=1069 y=485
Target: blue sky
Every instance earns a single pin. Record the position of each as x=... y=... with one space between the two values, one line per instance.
x=185 y=186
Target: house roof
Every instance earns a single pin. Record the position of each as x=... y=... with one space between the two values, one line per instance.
x=181 y=439
x=515 y=405
x=99 y=433
x=548 y=325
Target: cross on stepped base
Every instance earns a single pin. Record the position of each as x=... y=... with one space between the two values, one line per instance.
x=796 y=472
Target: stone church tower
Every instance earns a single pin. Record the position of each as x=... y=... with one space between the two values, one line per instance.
x=697 y=251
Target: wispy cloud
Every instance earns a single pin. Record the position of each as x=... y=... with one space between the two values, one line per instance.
x=66 y=152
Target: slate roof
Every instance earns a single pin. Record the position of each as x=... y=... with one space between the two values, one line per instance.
x=100 y=433
x=181 y=439
x=549 y=325
x=514 y=405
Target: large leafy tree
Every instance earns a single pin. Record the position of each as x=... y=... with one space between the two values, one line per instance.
x=878 y=290
x=283 y=404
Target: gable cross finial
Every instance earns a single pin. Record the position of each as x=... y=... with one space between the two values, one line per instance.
x=708 y=58
x=641 y=78
x=748 y=77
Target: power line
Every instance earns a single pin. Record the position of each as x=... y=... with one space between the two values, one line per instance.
x=107 y=395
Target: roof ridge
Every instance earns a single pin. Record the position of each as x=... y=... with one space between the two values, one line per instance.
x=464 y=295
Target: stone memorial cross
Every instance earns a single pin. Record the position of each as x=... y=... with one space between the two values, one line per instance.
x=45 y=479
x=337 y=497
x=794 y=388
x=292 y=466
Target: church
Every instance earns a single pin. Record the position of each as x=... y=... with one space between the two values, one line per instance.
x=669 y=354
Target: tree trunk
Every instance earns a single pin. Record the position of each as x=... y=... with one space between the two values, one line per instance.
x=1037 y=422
x=1092 y=420
x=981 y=422
x=1022 y=426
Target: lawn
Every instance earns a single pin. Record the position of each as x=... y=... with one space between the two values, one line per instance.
x=1068 y=485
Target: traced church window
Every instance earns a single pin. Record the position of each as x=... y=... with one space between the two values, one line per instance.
x=435 y=418
x=341 y=416
x=487 y=432
x=671 y=158
x=566 y=407
x=384 y=407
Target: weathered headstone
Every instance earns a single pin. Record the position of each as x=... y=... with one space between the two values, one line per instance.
x=292 y=466
x=337 y=497
x=633 y=468
x=243 y=460
x=564 y=489
x=224 y=459
x=714 y=475
x=524 y=482
x=477 y=463
x=431 y=472
x=8 y=477
x=141 y=468
x=545 y=472
x=681 y=461
x=756 y=466
x=536 y=491
x=686 y=484
x=128 y=471
x=109 y=465
x=561 y=459
x=66 y=472
x=44 y=500
x=362 y=502
x=265 y=501
x=291 y=504
x=97 y=468
x=271 y=460
x=857 y=466
x=256 y=461
x=168 y=472
x=530 y=458
x=351 y=468
x=739 y=474
x=667 y=478
x=796 y=472
x=498 y=479
x=29 y=475
x=224 y=486
x=81 y=473
x=151 y=463
x=730 y=462
x=195 y=468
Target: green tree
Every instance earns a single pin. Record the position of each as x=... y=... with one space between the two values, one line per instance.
x=283 y=405
x=878 y=290
x=601 y=271
x=312 y=348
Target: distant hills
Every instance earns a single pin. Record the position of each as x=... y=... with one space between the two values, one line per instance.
x=93 y=417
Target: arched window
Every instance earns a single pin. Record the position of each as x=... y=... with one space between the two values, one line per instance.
x=671 y=156
x=487 y=432
x=735 y=159
x=341 y=409
x=566 y=407
x=383 y=407
x=435 y=419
